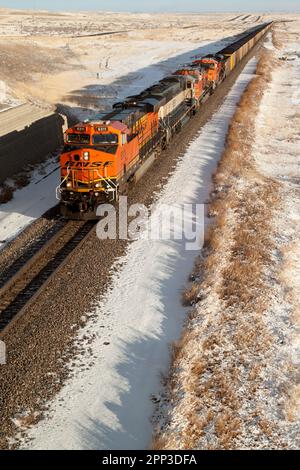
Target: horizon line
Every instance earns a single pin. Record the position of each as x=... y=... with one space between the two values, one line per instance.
x=145 y=11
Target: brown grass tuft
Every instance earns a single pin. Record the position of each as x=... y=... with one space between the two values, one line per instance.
x=29 y=420
x=191 y=295
x=6 y=194
x=21 y=181
x=159 y=443
x=278 y=39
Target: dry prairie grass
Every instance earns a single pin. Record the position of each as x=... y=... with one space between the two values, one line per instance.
x=198 y=265
x=7 y=191
x=6 y=194
x=190 y=296
x=21 y=181
x=159 y=443
x=227 y=428
x=293 y=405
x=177 y=347
x=243 y=204
x=29 y=420
x=278 y=39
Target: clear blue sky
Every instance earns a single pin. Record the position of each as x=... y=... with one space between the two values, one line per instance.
x=157 y=5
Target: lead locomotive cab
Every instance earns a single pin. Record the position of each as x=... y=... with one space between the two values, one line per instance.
x=89 y=168
x=100 y=157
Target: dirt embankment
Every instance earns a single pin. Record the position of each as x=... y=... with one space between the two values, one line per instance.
x=226 y=388
x=20 y=149
x=21 y=62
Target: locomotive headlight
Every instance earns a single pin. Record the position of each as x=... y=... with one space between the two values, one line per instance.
x=86 y=156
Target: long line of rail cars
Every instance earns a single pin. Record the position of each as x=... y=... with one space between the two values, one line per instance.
x=102 y=156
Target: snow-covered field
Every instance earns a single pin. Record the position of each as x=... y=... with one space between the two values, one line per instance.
x=108 y=406
x=51 y=58
x=277 y=155
x=31 y=202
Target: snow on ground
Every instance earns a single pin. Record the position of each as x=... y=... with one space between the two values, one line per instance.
x=31 y=202
x=141 y=71
x=277 y=155
x=74 y=45
x=7 y=99
x=132 y=74
x=107 y=405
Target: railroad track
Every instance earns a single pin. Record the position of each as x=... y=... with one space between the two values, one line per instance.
x=8 y=273
x=35 y=268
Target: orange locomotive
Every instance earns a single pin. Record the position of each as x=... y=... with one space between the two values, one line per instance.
x=200 y=82
x=213 y=69
x=102 y=156
x=98 y=157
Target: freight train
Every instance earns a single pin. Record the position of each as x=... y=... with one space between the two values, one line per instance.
x=101 y=157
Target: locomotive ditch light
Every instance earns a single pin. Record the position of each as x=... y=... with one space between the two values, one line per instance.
x=97 y=185
x=69 y=184
x=96 y=194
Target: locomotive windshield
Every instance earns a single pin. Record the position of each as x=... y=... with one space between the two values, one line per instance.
x=208 y=66
x=111 y=149
x=100 y=139
x=78 y=138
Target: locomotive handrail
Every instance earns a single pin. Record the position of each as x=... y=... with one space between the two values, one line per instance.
x=111 y=184
x=58 y=190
